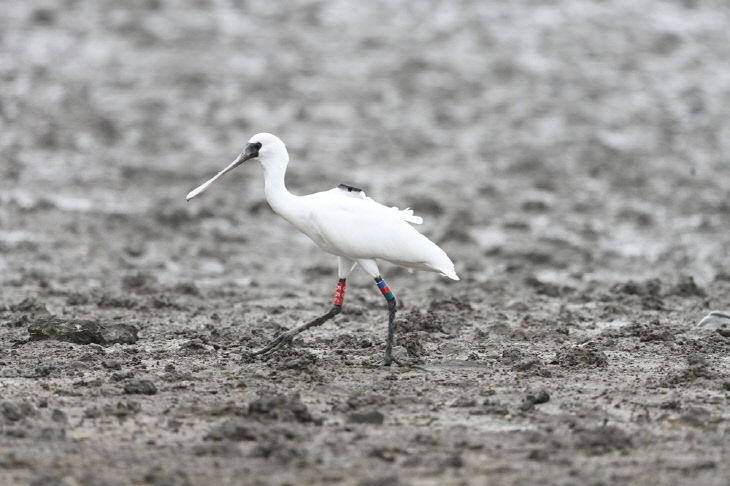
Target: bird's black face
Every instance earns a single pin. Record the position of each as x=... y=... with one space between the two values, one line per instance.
x=251 y=151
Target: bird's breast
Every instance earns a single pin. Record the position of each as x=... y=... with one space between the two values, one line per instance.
x=306 y=222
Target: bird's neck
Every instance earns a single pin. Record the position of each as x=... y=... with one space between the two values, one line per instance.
x=277 y=195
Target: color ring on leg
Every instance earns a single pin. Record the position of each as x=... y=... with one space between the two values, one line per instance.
x=385 y=290
x=340 y=293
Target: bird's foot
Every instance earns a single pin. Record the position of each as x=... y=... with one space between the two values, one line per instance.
x=404 y=365
x=283 y=339
x=390 y=359
x=287 y=337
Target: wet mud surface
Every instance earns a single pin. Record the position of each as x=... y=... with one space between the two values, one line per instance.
x=571 y=157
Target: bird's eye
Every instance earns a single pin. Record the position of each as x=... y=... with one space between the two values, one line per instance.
x=257 y=145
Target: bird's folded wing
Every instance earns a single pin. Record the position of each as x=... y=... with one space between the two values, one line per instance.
x=344 y=190
x=349 y=191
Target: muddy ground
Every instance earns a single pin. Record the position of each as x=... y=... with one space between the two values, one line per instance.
x=572 y=157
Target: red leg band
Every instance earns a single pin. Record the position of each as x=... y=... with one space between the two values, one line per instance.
x=340 y=293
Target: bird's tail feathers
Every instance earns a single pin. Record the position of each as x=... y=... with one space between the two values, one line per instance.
x=407 y=215
x=446 y=268
x=452 y=275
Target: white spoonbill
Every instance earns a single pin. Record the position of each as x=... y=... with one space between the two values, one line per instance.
x=346 y=223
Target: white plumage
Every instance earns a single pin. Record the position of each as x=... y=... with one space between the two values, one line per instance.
x=344 y=222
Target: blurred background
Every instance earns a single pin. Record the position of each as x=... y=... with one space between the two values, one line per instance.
x=572 y=139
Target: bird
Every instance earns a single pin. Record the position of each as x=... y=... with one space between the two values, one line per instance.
x=346 y=223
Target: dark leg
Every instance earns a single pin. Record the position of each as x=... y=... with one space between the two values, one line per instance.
x=286 y=338
x=392 y=307
x=391 y=331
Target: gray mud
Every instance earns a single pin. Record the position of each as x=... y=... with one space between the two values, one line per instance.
x=572 y=158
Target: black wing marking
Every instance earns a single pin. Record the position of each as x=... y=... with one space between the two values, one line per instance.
x=347 y=188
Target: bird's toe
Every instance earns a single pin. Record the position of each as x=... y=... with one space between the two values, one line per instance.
x=286 y=339
x=283 y=339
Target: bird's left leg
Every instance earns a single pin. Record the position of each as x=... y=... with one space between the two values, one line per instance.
x=372 y=268
x=345 y=266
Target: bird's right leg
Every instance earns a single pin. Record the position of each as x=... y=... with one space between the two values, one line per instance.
x=345 y=266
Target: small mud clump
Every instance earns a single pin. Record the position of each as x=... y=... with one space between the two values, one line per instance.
x=413 y=345
x=538 y=398
x=631 y=287
x=291 y=357
x=697 y=367
x=581 y=357
x=418 y=321
x=655 y=332
x=236 y=429
x=140 y=387
x=281 y=408
x=524 y=362
x=602 y=440
x=450 y=304
x=121 y=410
x=12 y=411
x=687 y=287
x=139 y=283
x=372 y=417
x=81 y=331
x=29 y=304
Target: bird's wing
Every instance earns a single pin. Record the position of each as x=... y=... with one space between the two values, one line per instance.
x=362 y=228
x=343 y=190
